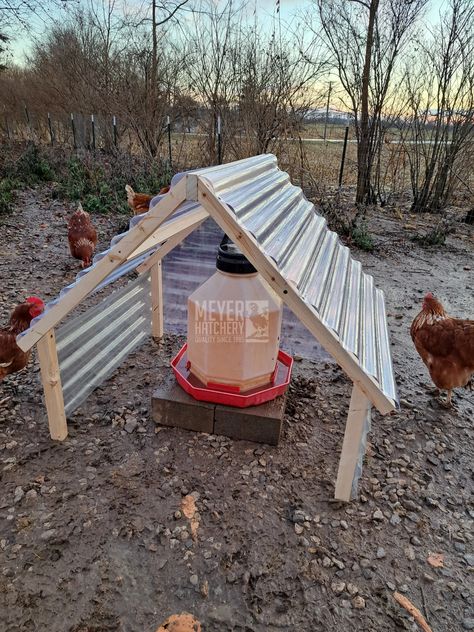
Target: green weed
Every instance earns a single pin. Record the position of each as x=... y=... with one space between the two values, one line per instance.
x=362 y=238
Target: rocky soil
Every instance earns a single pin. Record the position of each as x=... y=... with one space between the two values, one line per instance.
x=94 y=535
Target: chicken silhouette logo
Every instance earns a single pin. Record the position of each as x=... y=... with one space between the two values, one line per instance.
x=256 y=321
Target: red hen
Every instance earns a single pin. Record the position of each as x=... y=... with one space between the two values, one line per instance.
x=445 y=344
x=140 y=202
x=82 y=237
x=12 y=358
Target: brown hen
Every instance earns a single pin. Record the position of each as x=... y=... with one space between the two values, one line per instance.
x=140 y=202
x=82 y=237
x=446 y=346
x=12 y=358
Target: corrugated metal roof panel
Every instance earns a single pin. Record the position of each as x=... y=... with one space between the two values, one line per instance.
x=290 y=231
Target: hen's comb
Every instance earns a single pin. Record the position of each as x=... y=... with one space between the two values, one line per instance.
x=429 y=295
x=35 y=300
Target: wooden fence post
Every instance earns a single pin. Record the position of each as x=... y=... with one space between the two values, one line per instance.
x=53 y=393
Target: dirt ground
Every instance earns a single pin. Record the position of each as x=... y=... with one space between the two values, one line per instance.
x=92 y=536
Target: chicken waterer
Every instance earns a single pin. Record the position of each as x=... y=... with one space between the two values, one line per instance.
x=234 y=322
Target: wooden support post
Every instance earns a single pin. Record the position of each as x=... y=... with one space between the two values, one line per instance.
x=53 y=393
x=353 y=446
x=156 y=300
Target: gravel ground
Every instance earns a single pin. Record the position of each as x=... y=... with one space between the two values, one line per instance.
x=93 y=534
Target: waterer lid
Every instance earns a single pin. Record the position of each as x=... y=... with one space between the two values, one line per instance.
x=231 y=259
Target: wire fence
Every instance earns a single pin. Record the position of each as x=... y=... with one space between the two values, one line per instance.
x=323 y=152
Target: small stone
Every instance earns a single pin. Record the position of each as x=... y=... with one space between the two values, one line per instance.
x=18 y=495
x=469 y=558
x=338 y=587
x=31 y=495
x=298 y=516
x=358 y=602
x=468 y=623
x=432 y=459
x=327 y=562
x=194 y=580
x=377 y=515
x=410 y=553
x=380 y=553
x=395 y=519
x=205 y=588
x=352 y=589
x=340 y=565
x=130 y=425
x=48 y=535
x=391 y=586
x=298 y=529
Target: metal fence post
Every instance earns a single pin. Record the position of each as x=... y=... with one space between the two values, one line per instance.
x=114 y=123
x=50 y=125
x=73 y=131
x=93 y=132
x=27 y=114
x=343 y=158
x=168 y=124
x=219 y=140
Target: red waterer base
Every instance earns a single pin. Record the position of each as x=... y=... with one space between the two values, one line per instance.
x=230 y=397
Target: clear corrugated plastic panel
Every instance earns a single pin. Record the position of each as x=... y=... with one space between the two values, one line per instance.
x=92 y=345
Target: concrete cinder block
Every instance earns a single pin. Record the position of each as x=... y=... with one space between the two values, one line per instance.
x=171 y=406
x=257 y=423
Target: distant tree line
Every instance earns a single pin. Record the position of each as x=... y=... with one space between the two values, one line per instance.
x=198 y=61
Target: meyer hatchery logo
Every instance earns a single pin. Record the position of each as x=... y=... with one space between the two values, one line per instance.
x=231 y=321
x=256 y=321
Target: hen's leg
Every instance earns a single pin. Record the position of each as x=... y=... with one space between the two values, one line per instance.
x=447 y=403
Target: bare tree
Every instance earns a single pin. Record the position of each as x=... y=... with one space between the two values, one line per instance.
x=365 y=38
x=214 y=38
x=276 y=78
x=438 y=130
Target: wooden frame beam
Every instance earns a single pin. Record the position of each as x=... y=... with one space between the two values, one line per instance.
x=353 y=446
x=171 y=229
x=168 y=246
x=53 y=392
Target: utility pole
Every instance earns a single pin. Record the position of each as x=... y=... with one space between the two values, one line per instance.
x=327 y=111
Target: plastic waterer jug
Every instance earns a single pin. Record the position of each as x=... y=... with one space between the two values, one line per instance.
x=234 y=325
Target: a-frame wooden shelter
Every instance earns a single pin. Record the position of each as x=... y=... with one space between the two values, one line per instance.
x=279 y=231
